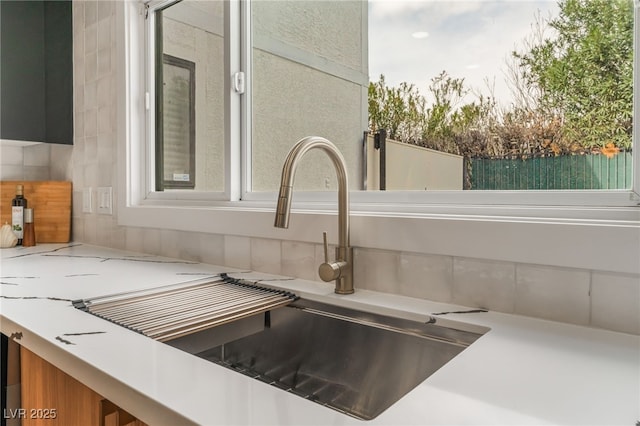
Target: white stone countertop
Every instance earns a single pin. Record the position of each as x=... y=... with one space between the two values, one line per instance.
x=523 y=371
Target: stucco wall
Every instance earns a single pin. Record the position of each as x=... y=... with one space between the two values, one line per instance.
x=310 y=78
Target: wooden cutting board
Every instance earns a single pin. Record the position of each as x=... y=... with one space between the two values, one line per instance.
x=51 y=204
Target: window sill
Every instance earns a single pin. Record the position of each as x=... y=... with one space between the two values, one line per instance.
x=606 y=239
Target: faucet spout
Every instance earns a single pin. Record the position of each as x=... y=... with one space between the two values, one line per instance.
x=342 y=269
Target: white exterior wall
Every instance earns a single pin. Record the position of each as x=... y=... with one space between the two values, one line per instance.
x=310 y=78
x=411 y=167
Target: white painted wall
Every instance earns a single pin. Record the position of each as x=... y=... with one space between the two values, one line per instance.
x=412 y=167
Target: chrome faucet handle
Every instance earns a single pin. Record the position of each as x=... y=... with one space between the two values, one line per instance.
x=326 y=247
x=329 y=271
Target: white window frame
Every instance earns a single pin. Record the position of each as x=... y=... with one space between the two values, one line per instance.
x=429 y=222
x=233 y=104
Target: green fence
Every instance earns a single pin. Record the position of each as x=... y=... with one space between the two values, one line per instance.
x=589 y=171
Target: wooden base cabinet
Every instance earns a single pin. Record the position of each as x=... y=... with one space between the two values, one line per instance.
x=51 y=397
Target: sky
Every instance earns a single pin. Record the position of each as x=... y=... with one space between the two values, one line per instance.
x=415 y=40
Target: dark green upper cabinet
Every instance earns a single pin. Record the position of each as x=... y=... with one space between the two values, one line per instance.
x=36 y=71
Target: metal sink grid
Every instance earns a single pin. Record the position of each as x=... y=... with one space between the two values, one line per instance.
x=178 y=310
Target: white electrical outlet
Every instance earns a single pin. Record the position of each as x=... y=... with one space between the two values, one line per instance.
x=105 y=204
x=86 y=201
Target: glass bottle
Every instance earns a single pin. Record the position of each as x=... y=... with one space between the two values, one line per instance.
x=29 y=237
x=18 y=204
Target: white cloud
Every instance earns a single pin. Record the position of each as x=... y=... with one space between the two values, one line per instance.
x=391 y=8
x=469 y=39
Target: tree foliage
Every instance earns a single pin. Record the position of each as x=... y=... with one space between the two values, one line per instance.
x=399 y=110
x=585 y=72
x=437 y=120
x=573 y=88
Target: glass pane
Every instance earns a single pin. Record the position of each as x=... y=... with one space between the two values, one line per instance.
x=178 y=131
x=309 y=78
x=491 y=94
x=190 y=102
x=502 y=95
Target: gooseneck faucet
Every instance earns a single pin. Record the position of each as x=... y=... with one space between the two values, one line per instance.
x=341 y=270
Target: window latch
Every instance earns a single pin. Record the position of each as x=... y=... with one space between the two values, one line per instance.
x=238 y=82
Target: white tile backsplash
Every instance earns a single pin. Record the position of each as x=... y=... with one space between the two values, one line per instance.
x=151 y=241
x=299 y=260
x=91 y=67
x=106 y=151
x=90 y=232
x=61 y=162
x=78 y=24
x=170 y=243
x=237 y=252
x=553 y=293
x=106 y=230
x=484 y=284
x=104 y=33
x=25 y=161
x=105 y=9
x=426 y=276
x=134 y=237
x=376 y=269
x=90 y=42
x=104 y=120
x=78 y=77
x=615 y=302
x=78 y=125
x=91 y=149
x=38 y=155
x=90 y=12
x=11 y=172
x=36 y=173
x=11 y=162
x=104 y=89
x=190 y=246
x=90 y=95
x=266 y=255
x=104 y=62
x=11 y=155
x=91 y=125
x=211 y=248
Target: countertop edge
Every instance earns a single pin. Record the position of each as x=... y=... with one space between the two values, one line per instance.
x=146 y=409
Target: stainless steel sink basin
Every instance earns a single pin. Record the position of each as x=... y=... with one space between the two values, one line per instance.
x=356 y=362
x=353 y=361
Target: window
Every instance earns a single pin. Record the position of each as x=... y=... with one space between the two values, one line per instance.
x=187 y=111
x=175 y=142
x=329 y=68
x=448 y=222
x=526 y=92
